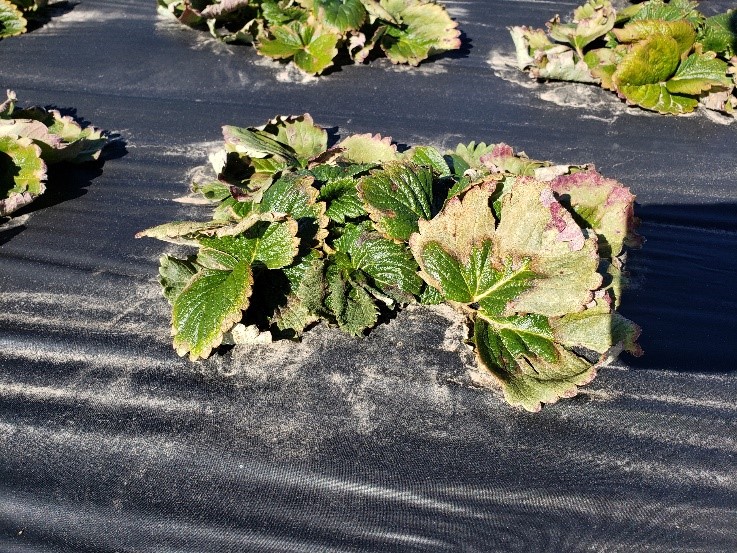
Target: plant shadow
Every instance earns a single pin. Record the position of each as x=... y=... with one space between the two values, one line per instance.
x=36 y=20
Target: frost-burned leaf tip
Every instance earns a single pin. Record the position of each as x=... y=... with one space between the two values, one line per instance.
x=530 y=253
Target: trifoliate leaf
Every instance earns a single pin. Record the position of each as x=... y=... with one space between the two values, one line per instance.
x=698 y=73
x=343 y=15
x=311 y=47
x=590 y=21
x=213 y=300
x=365 y=148
x=719 y=34
x=174 y=274
x=388 y=265
x=529 y=365
x=396 y=197
x=22 y=173
x=641 y=76
x=275 y=14
x=12 y=22
x=601 y=204
x=426 y=29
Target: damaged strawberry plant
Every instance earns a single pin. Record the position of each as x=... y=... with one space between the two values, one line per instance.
x=30 y=140
x=311 y=33
x=663 y=56
x=530 y=253
x=15 y=15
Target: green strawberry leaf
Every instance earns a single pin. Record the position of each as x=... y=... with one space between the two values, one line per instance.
x=681 y=32
x=351 y=305
x=296 y=197
x=341 y=197
x=385 y=265
x=674 y=10
x=210 y=305
x=428 y=156
x=343 y=15
x=699 y=73
x=426 y=29
x=12 y=22
x=22 y=173
x=213 y=300
x=304 y=304
x=719 y=34
x=174 y=274
x=397 y=197
x=311 y=47
x=520 y=352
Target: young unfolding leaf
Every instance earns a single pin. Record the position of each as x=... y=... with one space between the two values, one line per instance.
x=590 y=21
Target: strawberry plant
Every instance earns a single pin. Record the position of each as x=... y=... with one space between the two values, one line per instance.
x=15 y=15
x=662 y=56
x=530 y=253
x=312 y=33
x=32 y=138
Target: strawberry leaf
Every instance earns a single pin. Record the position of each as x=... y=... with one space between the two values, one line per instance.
x=425 y=29
x=311 y=47
x=12 y=22
x=396 y=197
x=22 y=173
